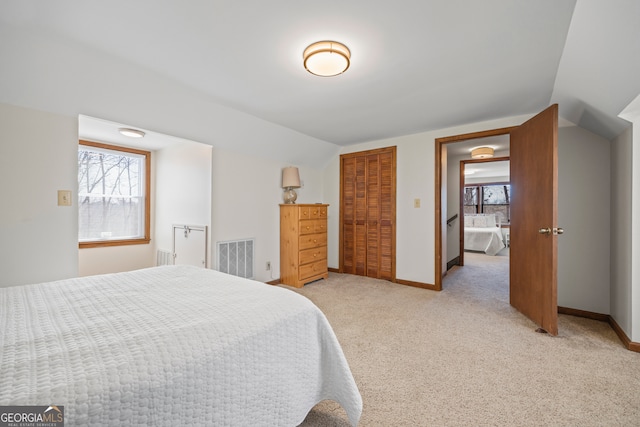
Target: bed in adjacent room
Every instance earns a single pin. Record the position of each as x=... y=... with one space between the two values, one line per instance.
x=482 y=232
x=173 y=345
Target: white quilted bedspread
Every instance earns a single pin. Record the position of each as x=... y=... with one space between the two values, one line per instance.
x=174 y=345
x=487 y=240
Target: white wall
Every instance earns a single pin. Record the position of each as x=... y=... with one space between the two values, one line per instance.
x=453 y=206
x=625 y=289
x=246 y=194
x=182 y=191
x=38 y=157
x=114 y=259
x=584 y=207
x=621 y=223
x=635 y=231
x=331 y=187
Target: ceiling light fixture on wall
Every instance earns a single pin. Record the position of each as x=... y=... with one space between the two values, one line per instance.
x=482 y=153
x=132 y=133
x=327 y=58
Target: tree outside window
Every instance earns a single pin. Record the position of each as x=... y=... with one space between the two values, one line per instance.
x=488 y=199
x=113 y=189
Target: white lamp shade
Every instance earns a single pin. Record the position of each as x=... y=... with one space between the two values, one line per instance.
x=290 y=177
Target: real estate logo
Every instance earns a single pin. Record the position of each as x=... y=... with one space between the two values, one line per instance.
x=32 y=416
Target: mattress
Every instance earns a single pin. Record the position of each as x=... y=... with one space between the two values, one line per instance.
x=173 y=345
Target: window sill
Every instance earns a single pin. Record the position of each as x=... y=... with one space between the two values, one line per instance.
x=105 y=243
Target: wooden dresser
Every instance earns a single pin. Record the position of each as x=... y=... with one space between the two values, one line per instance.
x=303 y=243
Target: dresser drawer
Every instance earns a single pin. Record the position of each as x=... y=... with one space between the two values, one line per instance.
x=303 y=212
x=308 y=241
x=314 y=254
x=312 y=212
x=313 y=269
x=313 y=226
x=318 y=212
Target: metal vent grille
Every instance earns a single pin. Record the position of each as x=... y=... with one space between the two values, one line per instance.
x=236 y=257
x=164 y=257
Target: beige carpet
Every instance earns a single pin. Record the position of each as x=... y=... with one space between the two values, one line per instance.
x=465 y=357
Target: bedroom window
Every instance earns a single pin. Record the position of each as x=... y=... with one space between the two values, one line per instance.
x=113 y=195
x=488 y=199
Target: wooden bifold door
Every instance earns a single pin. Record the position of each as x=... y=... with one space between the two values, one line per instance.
x=367 y=213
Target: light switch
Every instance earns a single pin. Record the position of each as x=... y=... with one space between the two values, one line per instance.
x=416 y=203
x=64 y=198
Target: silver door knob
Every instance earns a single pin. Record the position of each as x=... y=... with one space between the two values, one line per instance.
x=544 y=231
x=558 y=230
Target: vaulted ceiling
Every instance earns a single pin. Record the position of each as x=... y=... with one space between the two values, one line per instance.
x=417 y=65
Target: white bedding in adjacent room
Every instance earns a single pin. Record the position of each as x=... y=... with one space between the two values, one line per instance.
x=482 y=233
x=487 y=240
x=173 y=345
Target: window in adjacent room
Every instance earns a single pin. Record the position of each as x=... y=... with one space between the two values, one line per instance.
x=113 y=195
x=488 y=199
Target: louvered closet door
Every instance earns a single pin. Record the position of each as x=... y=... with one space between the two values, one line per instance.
x=387 y=213
x=368 y=214
x=353 y=216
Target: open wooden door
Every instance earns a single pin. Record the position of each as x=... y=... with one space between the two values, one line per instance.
x=534 y=215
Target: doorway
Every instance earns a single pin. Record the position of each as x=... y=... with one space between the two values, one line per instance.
x=484 y=203
x=463 y=143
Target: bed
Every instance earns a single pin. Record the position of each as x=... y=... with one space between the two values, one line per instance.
x=172 y=345
x=483 y=233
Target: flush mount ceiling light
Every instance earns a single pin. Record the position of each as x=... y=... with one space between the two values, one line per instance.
x=132 y=133
x=326 y=58
x=482 y=153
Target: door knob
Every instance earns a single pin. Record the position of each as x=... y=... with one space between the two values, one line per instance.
x=555 y=231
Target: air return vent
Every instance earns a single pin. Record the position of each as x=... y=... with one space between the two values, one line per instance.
x=236 y=257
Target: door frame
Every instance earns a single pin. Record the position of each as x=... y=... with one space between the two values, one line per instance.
x=440 y=221
x=463 y=165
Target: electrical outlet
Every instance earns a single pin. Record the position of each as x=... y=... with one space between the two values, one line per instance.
x=268 y=265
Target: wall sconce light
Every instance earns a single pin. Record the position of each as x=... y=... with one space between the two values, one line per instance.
x=290 y=180
x=482 y=153
x=326 y=58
